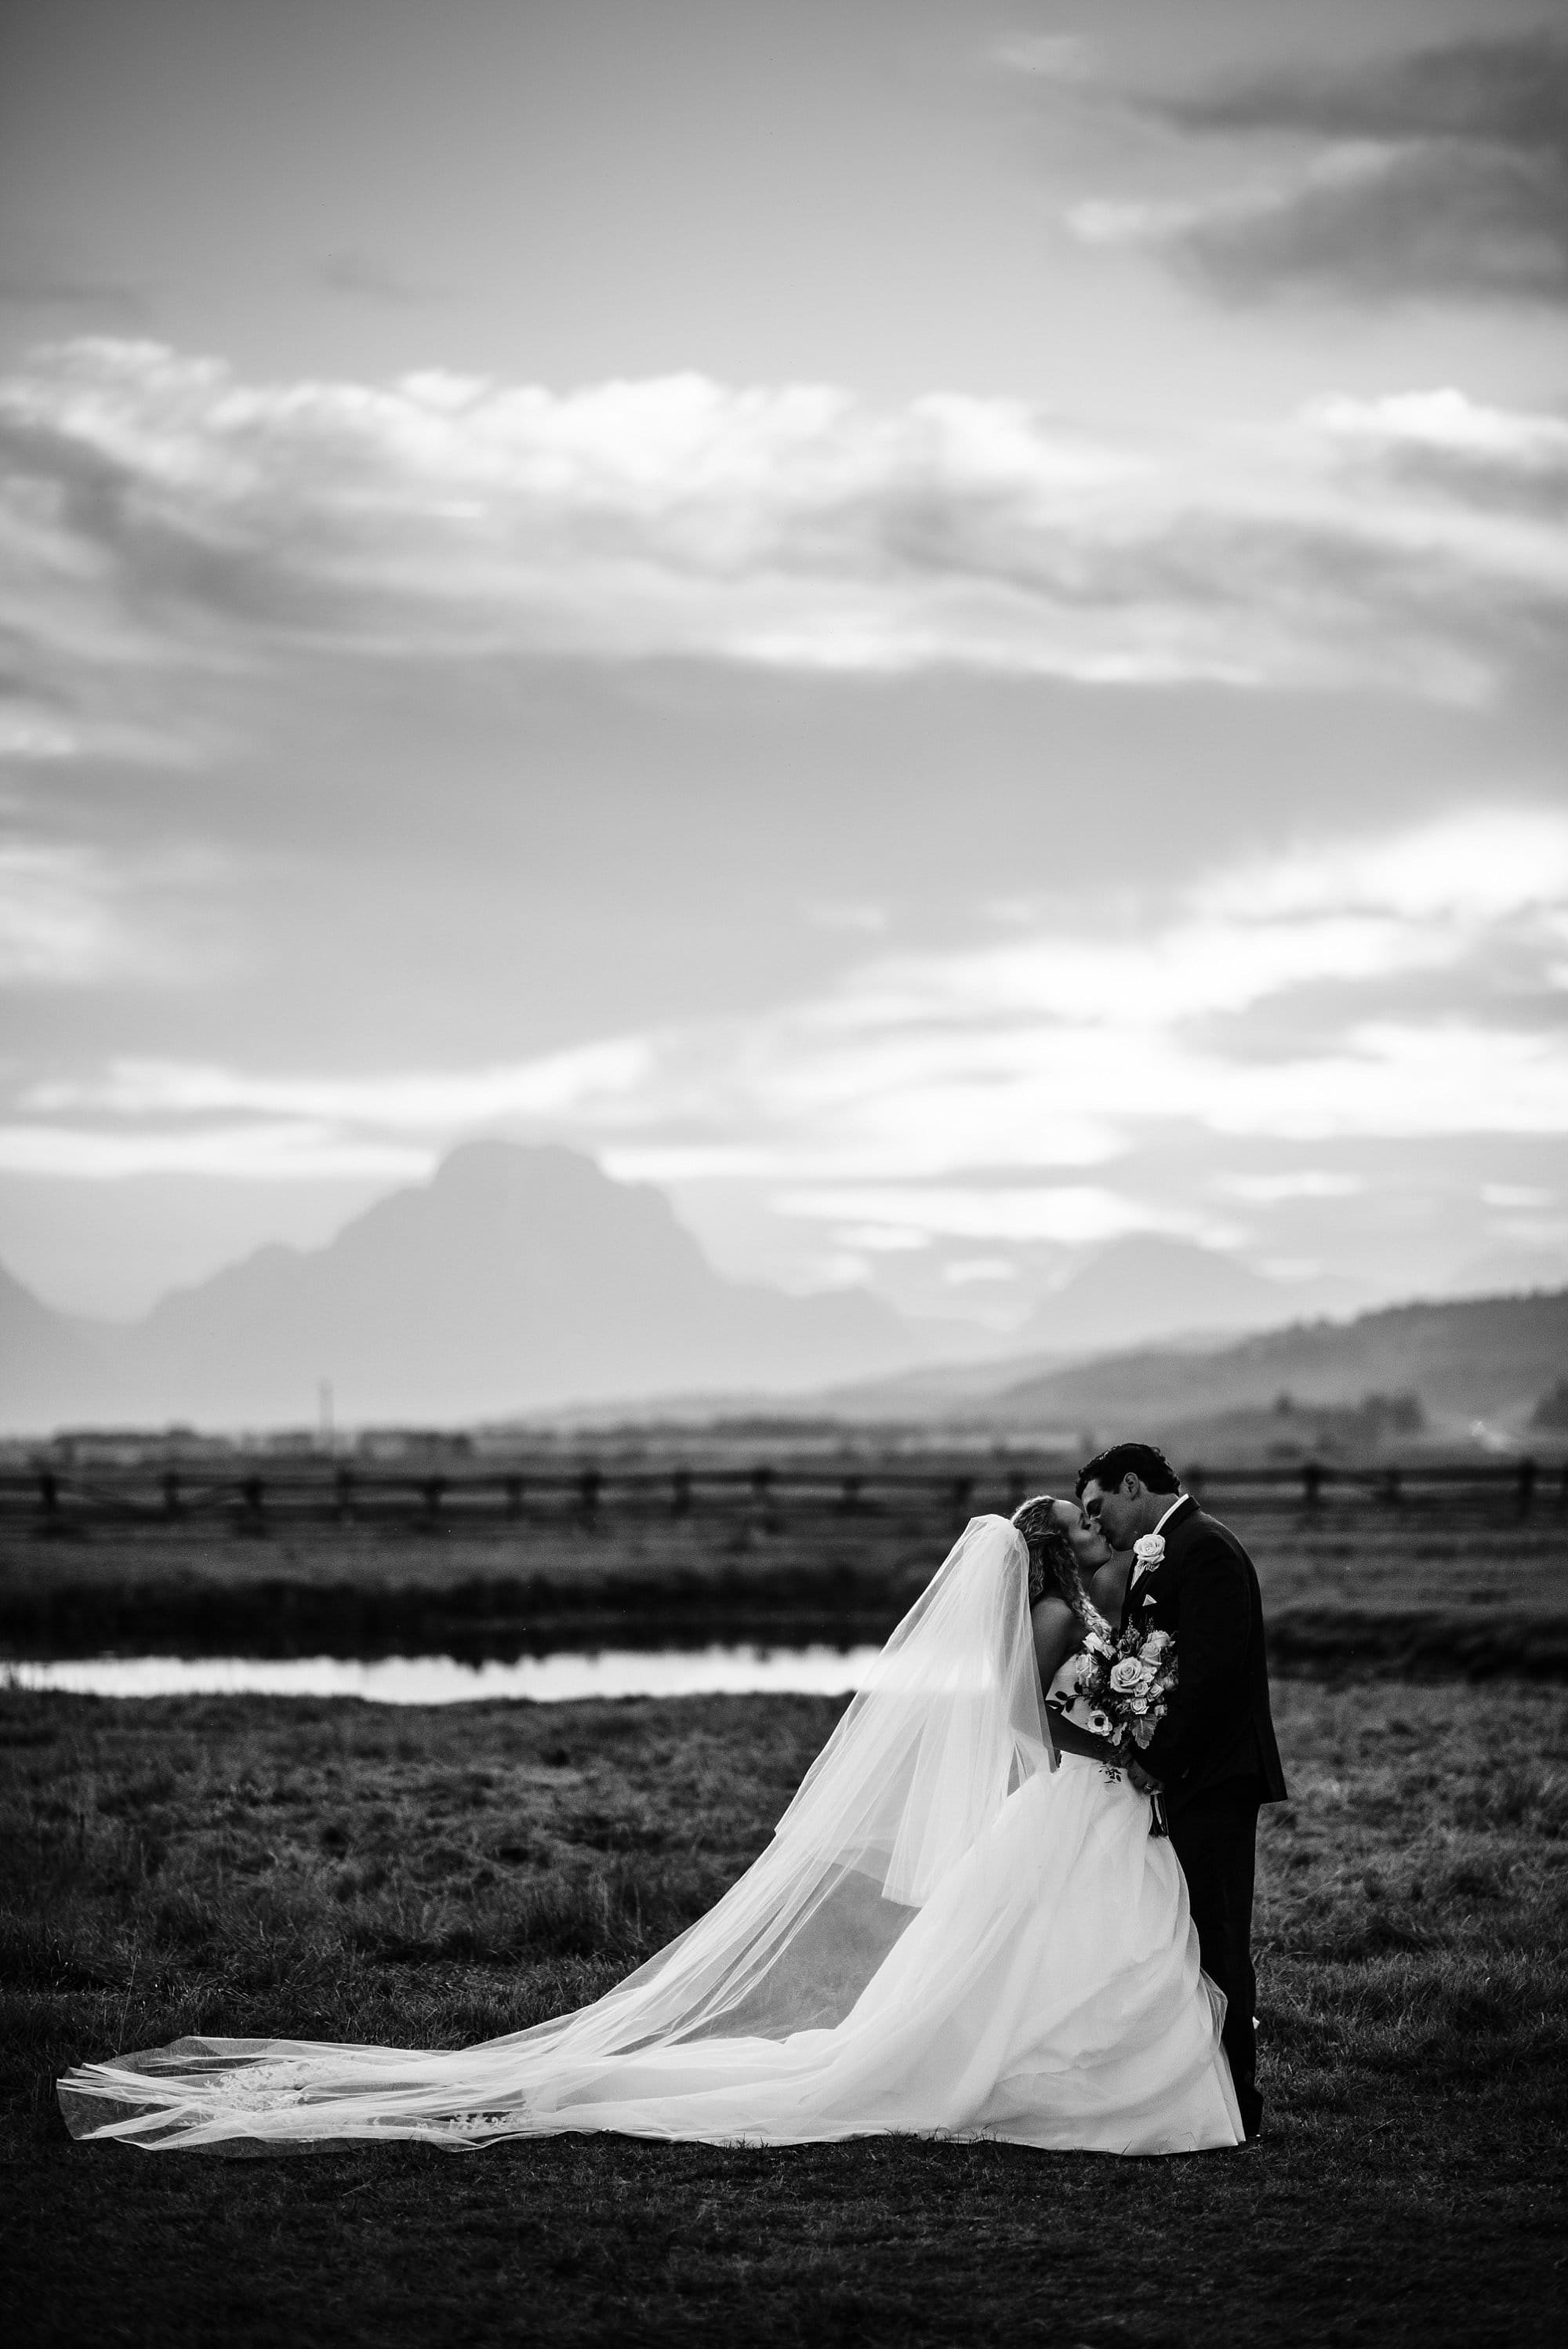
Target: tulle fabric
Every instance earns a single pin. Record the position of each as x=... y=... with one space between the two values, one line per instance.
x=947 y=1932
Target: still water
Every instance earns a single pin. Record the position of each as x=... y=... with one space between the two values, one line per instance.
x=447 y=1680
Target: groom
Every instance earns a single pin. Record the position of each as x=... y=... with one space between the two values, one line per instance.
x=1214 y=1755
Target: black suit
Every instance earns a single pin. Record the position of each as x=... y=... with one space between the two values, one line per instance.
x=1214 y=1752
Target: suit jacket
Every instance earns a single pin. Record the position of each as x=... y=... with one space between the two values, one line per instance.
x=1204 y=1592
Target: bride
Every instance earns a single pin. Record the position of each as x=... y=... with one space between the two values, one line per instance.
x=962 y=1925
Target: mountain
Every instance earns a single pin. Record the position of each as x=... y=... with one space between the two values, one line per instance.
x=1477 y=1358
x=1143 y=1289
x=1501 y=1271
x=520 y=1279
x=1131 y=1291
x=1490 y=1358
x=44 y=1354
x=517 y=1276
x=935 y=1392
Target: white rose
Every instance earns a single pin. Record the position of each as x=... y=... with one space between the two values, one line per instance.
x=1126 y=1674
x=1149 y=1548
x=1139 y=1705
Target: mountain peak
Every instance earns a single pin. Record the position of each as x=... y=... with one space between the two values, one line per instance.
x=519 y=1275
x=494 y=1167
x=1149 y=1287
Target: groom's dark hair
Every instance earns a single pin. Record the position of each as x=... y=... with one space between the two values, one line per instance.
x=1145 y=1461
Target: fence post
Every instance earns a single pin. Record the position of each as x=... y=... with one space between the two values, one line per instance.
x=1527 y=1476
x=1194 y=1480
x=761 y=1486
x=1393 y=1488
x=344 y=1485
x=590 y=1484
x=962 y=1494
x=1312 y=1482
x=850 y=1495
x=432 y=1491
x=514 y=1497
x=171 y=1493
x=1017 y=1493
x=49 y=1496
x=680 y=1491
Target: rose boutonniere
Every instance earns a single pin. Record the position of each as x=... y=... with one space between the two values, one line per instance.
x=1149 y=1549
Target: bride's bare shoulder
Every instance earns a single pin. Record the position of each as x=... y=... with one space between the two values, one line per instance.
x=1108 y=1584
x=1056 y=1634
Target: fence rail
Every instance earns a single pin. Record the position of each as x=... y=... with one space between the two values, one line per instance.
x=252 y=1497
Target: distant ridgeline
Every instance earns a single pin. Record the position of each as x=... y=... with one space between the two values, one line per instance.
x=516 y=1278
x=520 y=1280
x=1486 y=1369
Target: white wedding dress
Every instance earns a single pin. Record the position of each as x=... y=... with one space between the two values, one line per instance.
x=951 y=1933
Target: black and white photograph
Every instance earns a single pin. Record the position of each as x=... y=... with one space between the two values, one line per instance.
x=783 y=1173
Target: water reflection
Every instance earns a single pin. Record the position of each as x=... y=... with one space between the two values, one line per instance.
x=819 y=1671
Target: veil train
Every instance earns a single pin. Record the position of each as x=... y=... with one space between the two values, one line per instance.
x=924 y=1944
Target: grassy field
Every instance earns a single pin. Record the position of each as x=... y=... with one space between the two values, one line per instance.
x=1431 y=1584
x=345 y=1871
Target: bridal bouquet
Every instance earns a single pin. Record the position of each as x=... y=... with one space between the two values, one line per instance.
x=1124 y=1681
x=1125 y=1678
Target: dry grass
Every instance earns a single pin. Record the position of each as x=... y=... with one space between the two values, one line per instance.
x=340 y=1871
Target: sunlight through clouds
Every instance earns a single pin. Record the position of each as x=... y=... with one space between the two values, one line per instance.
x=912 y=1098
x=56 y=924
x=257 y=1151
x=790 y=525
x=426 y=1103
x=1069 y=1213
x=72 y=917
x=950 y=651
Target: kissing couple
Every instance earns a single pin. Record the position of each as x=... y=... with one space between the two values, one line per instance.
x=966 y=1923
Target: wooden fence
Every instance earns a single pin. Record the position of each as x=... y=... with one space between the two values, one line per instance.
x=253 y=1497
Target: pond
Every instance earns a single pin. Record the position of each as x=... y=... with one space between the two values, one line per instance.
x=815 y=1671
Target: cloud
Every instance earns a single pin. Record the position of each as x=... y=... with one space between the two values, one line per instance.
x=1509 y=91
x=1515 y=1195
x=555 y=1085
x=1494 y=458
x=1303 y=1183
x=1047 y=56
x=1439 y=174
x=278 y=1152
x=844 y=913
x=365 y=277
x=71 y=919
x=1070 y=1213
x=1477 y=869
x=57 y=924
x=154 y=509
x=1025 y=1091
x=106 y=299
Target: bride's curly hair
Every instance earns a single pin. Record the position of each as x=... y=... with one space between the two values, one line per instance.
x=1053 y=1563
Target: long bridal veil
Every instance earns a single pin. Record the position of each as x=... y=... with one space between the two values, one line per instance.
x=947 y=1725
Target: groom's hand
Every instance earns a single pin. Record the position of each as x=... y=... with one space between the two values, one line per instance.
x=1140 y=1778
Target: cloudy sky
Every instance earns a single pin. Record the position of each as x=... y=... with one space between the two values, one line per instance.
x=937 y=623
